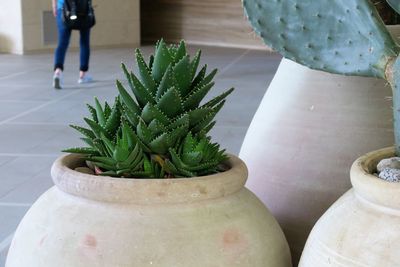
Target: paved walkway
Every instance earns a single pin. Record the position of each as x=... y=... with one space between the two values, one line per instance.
x=34 y=118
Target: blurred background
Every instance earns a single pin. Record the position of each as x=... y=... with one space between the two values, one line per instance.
x=35 y=118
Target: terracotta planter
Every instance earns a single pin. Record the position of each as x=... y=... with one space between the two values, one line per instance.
x=308 y=129
x=93 y=221
x=362 y=228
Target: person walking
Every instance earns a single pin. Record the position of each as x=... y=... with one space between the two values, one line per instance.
x=64 y=35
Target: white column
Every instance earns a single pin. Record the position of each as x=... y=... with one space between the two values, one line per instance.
x=11 y=38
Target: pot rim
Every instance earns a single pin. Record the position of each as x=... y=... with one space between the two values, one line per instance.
x=371 y=188
x=146 y=191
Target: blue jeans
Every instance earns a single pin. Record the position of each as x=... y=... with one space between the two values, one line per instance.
x=64 y=35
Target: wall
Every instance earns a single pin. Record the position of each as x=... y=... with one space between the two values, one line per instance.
x=118 y=24
x=21 y=25
x=11 y=40
x=212 y=22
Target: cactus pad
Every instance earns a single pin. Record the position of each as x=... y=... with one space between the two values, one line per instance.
x=393 y=77
x=341 y=36
x=395 y=4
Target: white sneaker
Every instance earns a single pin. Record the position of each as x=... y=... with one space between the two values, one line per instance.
x=85 y=79
x=57 y=81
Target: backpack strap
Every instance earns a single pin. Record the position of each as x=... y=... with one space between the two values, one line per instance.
x=90 y=8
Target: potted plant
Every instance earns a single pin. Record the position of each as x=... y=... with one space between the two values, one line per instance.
x=325 y=110
x=126 y=199
x=343 y=37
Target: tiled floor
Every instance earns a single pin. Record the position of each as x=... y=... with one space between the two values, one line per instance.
x=34 y=117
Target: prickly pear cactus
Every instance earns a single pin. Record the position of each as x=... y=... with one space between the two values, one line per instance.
x=338 y=36
x=341 y=36
x=395 y=4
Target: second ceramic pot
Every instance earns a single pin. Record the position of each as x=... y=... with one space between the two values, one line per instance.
x=362 y=228
x=309 y=128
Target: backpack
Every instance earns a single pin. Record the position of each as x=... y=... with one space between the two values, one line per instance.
x=78 y=14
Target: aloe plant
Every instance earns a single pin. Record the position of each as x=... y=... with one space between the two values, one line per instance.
x=195 y=156
x=103 y=123
x=160 y=128
x=341 y=36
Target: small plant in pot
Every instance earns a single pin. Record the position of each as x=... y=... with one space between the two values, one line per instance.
x=161 y=130
x=348 y=38
x=151 y=188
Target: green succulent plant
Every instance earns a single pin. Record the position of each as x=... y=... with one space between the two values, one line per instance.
x=165 y=105
x=104 y=124
x=122 y=157
x=196 y=156
x=160 y=128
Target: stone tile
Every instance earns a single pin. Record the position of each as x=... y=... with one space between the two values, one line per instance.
x=34 y=78
x=60 y=112
x=36 y=139
x=5 y=159
x=218 y=57
x=30 y=189
x=252 y=69
x=10 y=218
x=3 y=255
x=104 y=90
x=19 y=170
x=11 y=109
x=27 y=93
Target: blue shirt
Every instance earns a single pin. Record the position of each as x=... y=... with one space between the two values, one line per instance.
x=60 y=4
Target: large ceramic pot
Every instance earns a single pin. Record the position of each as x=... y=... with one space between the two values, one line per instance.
x=308 y=129
x=362 y=228
x=86 y=220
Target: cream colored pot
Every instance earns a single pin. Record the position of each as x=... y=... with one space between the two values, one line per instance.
x=86 y=220
x=362 y=228
x=308 y=129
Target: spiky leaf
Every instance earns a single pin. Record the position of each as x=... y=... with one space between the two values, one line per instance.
x=157 y=127
x=144 y=133
x=200 y=76
x=209 y=77
x=183 y=120
x=81 y=150
x=183 y=75
x=145 y=74
x=162 y=59
x=195 y=64
x=180 y=52
x=170 y=103
x=142 y=94
x=197 y=115
x=167 y=81
x=97 y=129
x=127 y=99
x=84 y=131
x=107 y=110
x=160 y=144
x=92 y=111
x=151 y=112
x=216 y=100
x=194 y=99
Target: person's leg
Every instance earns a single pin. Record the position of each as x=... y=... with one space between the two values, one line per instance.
x=64 y=35
x=84 y=55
